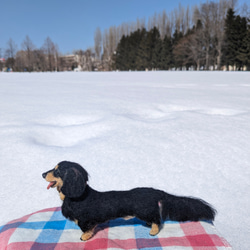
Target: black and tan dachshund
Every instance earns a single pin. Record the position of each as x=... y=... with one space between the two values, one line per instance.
x=88 y=207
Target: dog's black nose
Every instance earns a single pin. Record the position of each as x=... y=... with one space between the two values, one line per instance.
x=44 y=175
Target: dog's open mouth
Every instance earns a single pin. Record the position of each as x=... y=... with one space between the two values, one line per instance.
x=51 y=184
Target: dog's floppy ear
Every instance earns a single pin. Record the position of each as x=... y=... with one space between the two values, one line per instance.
x=74 y=180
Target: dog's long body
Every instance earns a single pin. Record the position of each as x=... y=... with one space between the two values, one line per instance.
x=88 y=207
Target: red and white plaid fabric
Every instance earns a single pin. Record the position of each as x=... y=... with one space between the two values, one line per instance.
x=48 y=229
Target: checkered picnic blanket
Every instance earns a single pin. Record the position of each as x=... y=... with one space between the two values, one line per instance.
x=48 y=229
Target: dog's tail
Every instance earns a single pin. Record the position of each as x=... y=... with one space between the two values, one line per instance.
x=186 y=209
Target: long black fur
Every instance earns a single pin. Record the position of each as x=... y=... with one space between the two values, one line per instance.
x=90 y=207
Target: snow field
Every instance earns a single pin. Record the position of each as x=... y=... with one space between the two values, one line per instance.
x=184 y=132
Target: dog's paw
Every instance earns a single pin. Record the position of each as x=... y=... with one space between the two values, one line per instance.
x=86 y=236
x=154 y=229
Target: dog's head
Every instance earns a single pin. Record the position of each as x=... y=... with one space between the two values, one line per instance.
x=68 y=177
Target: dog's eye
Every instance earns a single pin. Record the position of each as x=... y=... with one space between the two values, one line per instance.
x=56 y=173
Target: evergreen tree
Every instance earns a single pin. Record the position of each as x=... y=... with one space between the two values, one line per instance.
x=134 y=43
x=122 y=54
x=230 y=49
x=156 y=48
x=178 y=60
x=142 y=53
x=247 y=49
x=142 y=49
x=236 y=41
x=242 y=41
x=167 y=58
x=147 y=55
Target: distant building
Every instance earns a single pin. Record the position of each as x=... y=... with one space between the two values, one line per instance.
x=68 y=63
x=84 y=61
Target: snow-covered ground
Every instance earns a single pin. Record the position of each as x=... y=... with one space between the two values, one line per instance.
x=185 y=132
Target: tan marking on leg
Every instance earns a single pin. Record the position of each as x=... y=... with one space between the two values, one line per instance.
x=56 y=167
x=87 y=235
x=62 y=196
x=154 y=229
x=76 y=221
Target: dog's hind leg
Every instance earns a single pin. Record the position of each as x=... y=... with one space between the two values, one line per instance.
x=155 y=226
x=154 y=229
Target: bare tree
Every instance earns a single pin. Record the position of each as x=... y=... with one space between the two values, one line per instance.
x=196 y=14
x=105 y=42
x=140 y=24
x=10 y=53
x=11 y=49
x=183 y=24
x=89 y=59
x=245 y=11
x=188 y=24
x=98 y=42
x=112 y=40
x=152 y=22
x=40 y=62
x=21 y=61
x=177 y=19
x=207 y=14
x=206 y=19
x=232 y=3
x=169 y=25
x=219 y=15
x=109 y=46
x=51 y=51
x=162 y=19
x=190 y=49
x=212 y=16
x=28 y=48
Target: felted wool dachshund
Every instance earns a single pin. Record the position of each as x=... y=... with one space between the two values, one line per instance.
x=88 y=207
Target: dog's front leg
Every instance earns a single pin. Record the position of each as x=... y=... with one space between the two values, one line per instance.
x=62 y=196
x=87 y=235
x=86 y=227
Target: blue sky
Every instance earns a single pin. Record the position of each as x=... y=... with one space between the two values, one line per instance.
x=72 y=23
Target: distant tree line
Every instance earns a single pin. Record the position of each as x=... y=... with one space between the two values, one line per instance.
x=213 y=43
x=212 y=35
x=29 y=58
